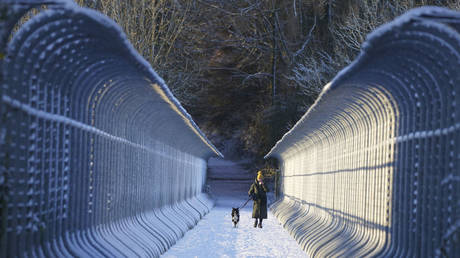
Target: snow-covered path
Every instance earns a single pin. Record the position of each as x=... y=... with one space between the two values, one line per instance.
x=214 y=235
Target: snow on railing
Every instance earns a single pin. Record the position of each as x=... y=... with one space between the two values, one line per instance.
x=97 y=158
x=372 y=168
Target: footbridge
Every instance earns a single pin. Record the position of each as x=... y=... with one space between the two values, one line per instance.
x=99 y=159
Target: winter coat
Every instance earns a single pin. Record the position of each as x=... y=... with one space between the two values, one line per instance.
x=259 y=208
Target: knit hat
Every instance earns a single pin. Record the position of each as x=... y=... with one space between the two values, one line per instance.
x=259 y=175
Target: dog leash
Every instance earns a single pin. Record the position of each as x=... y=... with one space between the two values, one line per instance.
x=245 y=203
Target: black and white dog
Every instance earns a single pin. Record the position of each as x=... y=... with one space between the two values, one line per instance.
x=235 y=216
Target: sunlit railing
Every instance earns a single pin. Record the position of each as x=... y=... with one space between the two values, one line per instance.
x=373 y=168
x=97 y=158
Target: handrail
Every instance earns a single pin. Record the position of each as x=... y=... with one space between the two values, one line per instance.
x=372 y=168
x=97 y=157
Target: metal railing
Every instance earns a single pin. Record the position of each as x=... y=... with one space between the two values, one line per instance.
x=373 y=168
x=97 y=158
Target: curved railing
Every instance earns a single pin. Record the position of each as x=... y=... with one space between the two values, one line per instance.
x=373 y=168
x=97 y=158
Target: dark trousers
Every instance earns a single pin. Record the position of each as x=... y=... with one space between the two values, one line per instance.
x=258 y=221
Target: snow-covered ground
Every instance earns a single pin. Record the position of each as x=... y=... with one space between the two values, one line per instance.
x=215 y=236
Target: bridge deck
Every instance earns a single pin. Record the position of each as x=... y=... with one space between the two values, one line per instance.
x=214 y=236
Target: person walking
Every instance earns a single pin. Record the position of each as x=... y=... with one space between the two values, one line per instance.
x=258 y=191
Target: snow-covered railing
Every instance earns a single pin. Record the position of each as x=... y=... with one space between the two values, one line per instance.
x=97 y=158
x=373 y=168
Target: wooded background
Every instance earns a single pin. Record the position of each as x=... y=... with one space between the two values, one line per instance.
x=247 y=70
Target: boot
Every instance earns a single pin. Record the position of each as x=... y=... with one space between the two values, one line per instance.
x=255 y=223
x=260 y=223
